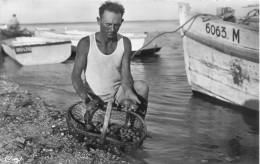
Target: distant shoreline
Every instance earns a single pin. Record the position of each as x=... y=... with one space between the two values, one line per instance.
x=95 y=22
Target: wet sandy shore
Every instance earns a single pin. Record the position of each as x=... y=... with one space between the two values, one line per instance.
x=31 y=131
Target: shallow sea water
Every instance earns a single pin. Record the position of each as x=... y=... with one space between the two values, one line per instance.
x=184 y=128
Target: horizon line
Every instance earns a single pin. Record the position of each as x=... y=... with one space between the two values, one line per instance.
x=42 y=23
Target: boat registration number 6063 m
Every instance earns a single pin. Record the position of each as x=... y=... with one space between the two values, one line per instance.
x=220 y=31
x=22 y=50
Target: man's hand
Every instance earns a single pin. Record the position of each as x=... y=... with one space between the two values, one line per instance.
x=128 y=104
x=89 y=107
x=132 y=96
x=89 y=101
x=85 y=100
x=92 y=104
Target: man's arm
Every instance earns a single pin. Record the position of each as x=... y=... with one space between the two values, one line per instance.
x=79 y=66
x=127 y=79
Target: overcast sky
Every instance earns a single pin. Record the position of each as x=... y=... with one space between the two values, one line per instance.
x=54 y=11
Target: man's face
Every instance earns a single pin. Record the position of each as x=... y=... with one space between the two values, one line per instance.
x=110 y=23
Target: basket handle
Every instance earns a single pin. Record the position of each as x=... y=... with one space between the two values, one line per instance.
x=106 y=120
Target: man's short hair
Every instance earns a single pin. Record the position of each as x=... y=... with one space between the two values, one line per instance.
x=112 y=7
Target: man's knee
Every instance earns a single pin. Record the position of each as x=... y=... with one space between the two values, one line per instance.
x=141 y=87
x=142 y=90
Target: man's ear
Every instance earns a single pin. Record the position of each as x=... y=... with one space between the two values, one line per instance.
x=122 y=20
x=98 y=20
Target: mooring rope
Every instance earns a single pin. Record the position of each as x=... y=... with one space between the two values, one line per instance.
x=193 y=19
x=168 y=32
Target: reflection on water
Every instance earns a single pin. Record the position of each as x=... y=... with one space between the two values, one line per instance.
x=183 y=128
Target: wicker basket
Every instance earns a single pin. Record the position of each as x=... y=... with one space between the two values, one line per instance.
x=125 y=128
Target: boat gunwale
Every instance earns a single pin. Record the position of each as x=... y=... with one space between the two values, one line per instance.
x=37 y=44
x=239 y=25
x=226 y=48
x=190 y=14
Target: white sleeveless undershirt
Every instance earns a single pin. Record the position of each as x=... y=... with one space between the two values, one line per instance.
x=103 y=72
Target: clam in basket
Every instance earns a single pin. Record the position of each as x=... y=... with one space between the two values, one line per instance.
x=125 y=128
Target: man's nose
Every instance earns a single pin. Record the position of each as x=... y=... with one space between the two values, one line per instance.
x=112 y=28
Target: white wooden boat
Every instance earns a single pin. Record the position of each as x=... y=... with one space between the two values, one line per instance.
x=137 y=39
x=49 y=33
x=221 y=57
x=37 y=51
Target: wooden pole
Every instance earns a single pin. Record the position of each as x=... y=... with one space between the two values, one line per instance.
x=106 y=120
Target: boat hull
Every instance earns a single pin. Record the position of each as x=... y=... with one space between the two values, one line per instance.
x=137 y=39
x=37 y=53
x=221 y=59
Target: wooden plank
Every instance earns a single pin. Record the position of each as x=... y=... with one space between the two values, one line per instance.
x=215 y=58
x=220 y=91
x=224 y=77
